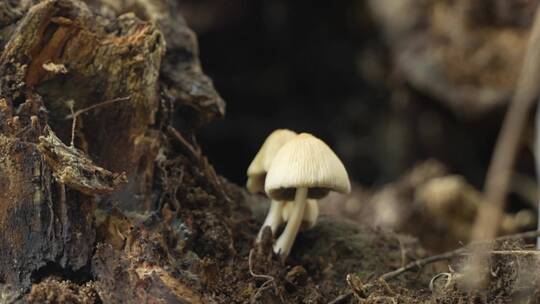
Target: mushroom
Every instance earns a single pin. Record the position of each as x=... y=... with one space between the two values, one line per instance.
x=311 y=213
x=256 y=173
x=305 y=167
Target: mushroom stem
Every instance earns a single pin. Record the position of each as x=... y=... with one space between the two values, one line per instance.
x=273 y=219
x=285 y=241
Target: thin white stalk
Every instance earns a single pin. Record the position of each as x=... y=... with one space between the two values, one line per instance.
x=273 y=219
x=285 y=241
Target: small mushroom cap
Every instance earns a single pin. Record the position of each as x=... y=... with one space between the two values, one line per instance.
x=311 y=213
x=305 y=161
x=256 y=171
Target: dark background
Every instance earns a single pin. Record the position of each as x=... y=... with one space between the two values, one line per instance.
x=326 y=70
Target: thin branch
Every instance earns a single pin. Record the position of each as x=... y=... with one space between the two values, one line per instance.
x=22 y=131
x=341 y=297
x=73 y=123
x=97 y=105
x=196 y=154
x=501 y=167
x=500 y=170
x=75 y=114
x=515 y=252
x=418 y=264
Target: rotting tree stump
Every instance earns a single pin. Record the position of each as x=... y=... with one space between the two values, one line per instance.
x=132 y=212
x=59 y=57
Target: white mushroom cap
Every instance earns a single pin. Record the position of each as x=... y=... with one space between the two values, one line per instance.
x=256 y=171
x=305 y=161
x=311 y=213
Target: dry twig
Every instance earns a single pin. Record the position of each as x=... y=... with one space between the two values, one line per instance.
x=500 y=170
x=197 y=155
x=75 y=114
x=419 y=264
x=341 y=297
x=97 y=105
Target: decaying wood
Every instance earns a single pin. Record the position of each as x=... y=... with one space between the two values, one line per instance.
x=71 y=167
x=121 y=215
x=40 y=230
x=182 y=75
x=58 y=53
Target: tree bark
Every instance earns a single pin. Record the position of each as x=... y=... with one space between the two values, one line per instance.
x=59 y=57
x=132 y=212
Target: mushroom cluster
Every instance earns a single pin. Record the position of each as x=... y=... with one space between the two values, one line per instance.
x=294 y=170
x=257 y=170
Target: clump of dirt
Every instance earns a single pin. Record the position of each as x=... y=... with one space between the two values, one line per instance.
x=512 y=278
x=316 y=270
x=202 y=244
x=199 y=248
x=55 y=290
